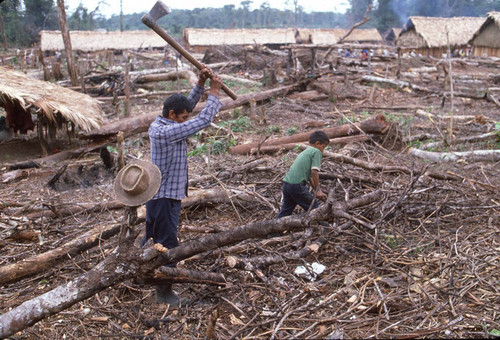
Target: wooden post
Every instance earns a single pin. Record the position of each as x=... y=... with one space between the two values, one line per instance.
x=2 y=30
x=313 y=56
x=127 y=89
x=450 y=75
x=63 y=23
x=398 y=71
x=120 y=140
x=289 y=63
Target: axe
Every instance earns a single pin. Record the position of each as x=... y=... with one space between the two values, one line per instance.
x=158 y=11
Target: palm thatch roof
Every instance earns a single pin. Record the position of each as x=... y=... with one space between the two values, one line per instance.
x=429 y=32
x=392 y=34
x=50 y=100
x=97 y=41
x=359 y=35
x=488 y=35
x=214 y=37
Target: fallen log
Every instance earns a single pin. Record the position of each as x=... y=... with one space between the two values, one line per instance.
x=375 y=124
x=39 y=263
x=470 y=156
x=191 y=78
x=127 y=262
x=219 y=196
x=183 y=275
x=290 y=146
x=138 y=124
x=466 y=139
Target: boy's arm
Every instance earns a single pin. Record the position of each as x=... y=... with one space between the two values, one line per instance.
x=315 y=184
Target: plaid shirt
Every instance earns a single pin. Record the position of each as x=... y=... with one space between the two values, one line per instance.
x=168 y=145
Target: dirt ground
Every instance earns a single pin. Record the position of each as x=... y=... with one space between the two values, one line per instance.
x=430 y=268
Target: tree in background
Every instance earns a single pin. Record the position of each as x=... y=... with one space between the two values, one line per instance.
x=36 y=12
x=384 y=17
x=357 y=11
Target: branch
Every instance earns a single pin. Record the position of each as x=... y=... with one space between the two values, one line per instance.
x=365 y=20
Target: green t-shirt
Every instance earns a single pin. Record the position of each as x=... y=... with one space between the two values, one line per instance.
x=300 y=171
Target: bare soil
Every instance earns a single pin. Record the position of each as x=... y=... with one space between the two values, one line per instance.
x=430 y=269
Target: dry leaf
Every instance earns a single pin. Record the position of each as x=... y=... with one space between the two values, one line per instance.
x=314 y=247
x=231 y=261
x=235 y=320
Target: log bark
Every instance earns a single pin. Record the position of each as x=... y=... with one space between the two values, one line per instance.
x=39 y=263
x=471 y=156
x=289 y=146
x=169 y=76
x=141 y=123
x=128 y=261
x=376 y=124
x=183 y=275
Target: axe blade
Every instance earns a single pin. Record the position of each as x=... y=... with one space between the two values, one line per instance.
x=158 y=11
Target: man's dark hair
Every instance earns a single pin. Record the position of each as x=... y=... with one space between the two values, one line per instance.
x=176 y=102
x=319 y=136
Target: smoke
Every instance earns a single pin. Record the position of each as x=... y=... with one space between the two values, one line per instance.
x=402 y=9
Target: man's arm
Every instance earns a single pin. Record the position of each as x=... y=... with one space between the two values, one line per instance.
x=197 y=91
x=175 y=132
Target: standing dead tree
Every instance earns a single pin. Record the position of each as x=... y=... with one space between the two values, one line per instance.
x=365 y=19
x=128 y=261
x=63 y=23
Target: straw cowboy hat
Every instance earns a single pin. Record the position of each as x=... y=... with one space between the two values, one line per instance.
x=137 y=183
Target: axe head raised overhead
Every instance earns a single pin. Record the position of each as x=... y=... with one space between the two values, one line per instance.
x=158 y=11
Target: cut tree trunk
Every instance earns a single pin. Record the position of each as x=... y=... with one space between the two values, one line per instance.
x=183 y=275
x=127 y=262
x=376 y=124
x=470 y=156
x=169 y=76
x=37 y=264
x=63 y=23
x=283 y=147
x=141 y=123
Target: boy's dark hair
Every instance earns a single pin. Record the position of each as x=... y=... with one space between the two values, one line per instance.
x=176 y=102
x=319 y=136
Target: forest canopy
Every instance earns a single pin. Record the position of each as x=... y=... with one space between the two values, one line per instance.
x=21 y=21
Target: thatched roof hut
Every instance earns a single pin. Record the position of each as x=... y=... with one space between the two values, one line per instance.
x=486 y=40
x=50 y=100
x=97 y=41
x=196 y=38
x=199 y=39
x=392 y=34
x=430 y=36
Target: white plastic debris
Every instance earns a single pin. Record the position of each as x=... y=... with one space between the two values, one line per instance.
x=310 y=271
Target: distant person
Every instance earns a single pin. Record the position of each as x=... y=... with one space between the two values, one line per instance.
x=168 y=135
x=305 y=169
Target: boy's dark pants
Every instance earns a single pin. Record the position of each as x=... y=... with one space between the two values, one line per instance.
x=293 y=195
x=162 y=218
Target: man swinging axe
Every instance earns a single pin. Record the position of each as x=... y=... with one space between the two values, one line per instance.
x=168 y=135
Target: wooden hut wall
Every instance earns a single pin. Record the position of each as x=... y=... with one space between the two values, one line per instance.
x=482 y=51
x=487 y=42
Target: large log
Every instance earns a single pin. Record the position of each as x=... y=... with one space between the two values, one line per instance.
x=128 y=261
x=376 y=124
x=290 y=146
x=470 y=156
x=39 y=263
x=189 y=76
x=141 y=123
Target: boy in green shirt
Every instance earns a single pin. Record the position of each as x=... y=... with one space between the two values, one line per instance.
x=304 y=169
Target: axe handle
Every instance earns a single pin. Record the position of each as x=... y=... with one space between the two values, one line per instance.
x=172 y=42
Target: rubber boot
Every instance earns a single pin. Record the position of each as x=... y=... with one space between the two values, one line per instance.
x=165 y=294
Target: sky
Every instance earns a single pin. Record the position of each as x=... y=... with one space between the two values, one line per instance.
x=110 y=7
